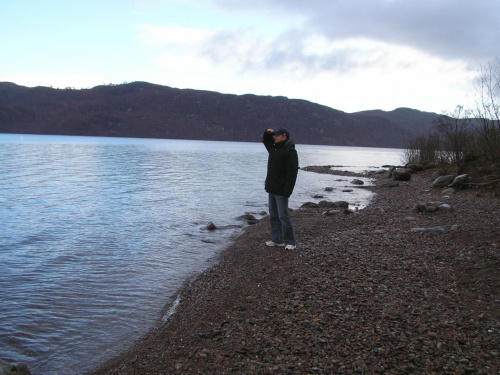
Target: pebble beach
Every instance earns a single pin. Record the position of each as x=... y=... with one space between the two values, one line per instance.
x=366 y=292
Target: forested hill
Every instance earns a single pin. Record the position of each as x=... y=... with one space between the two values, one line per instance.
x=146 y=110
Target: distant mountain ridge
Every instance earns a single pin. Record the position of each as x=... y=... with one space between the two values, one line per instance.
x=146 y=110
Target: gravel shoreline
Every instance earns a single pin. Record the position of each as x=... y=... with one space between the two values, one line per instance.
x=362 y=294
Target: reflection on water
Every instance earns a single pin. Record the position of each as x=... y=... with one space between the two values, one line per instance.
x=98 y=233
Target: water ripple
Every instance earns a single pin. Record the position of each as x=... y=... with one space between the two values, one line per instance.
x=97 y=234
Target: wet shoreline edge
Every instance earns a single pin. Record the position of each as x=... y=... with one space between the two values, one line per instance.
x=218 y=305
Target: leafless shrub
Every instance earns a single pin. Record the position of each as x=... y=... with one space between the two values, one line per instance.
x=487 y=112
x=422 y=149
x=455 y=132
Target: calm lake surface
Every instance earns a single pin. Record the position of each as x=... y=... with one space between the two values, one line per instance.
x=97 y=234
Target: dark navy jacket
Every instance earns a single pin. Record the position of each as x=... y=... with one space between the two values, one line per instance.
x=282 y=166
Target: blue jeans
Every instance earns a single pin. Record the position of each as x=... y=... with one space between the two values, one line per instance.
x=281 y=222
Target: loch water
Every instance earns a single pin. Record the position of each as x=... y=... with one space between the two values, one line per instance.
x=97 y=234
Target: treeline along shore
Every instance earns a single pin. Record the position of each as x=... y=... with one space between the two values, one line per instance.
x=393 y=288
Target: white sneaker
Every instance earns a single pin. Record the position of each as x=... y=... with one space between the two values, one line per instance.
x=272 y=244
x=290 y=247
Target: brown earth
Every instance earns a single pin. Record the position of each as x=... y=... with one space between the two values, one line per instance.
x=362 y=294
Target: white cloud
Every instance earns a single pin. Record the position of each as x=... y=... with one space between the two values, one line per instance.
x=348 y=74
x=465 y=29
x=347 y=54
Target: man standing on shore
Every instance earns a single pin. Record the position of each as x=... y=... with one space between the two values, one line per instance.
x=282 y=169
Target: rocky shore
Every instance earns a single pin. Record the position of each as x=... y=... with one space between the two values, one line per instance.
x=364 y=293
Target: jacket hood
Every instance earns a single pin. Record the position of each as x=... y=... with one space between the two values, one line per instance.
x=289 y=144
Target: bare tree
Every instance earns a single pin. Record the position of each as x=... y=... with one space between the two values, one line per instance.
x=422 y=149
x=487 y=111
x=455 y=132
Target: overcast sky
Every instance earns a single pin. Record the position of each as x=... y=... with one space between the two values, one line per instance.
x=350 y=55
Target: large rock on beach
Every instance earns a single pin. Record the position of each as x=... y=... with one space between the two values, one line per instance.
x=249 y=218
x=443 y=181
x=401 y=174
x=309 y=205
x=337 y=204
x=357 y=181
x=459 y=181
x=437 y=173
x=415 y=167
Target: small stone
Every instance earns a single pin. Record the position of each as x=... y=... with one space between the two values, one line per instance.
x=436 y=230
x=211 y=226
x=417 y=230
x=247 y=217
x=444 y=207
x=332 y=212
x=448 y=191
